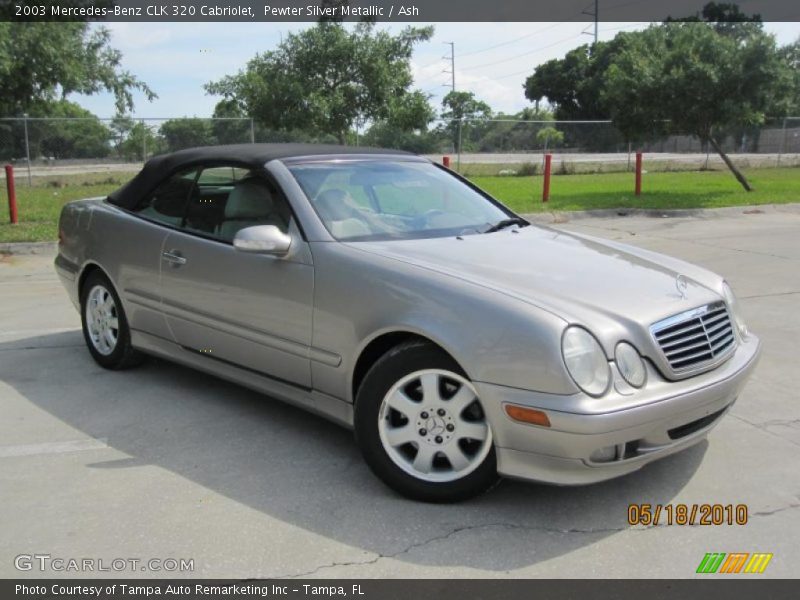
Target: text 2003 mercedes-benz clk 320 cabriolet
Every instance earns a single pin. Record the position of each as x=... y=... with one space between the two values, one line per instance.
x=393 y=296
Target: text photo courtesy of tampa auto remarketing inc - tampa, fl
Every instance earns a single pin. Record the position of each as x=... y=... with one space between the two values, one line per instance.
x=392 y=300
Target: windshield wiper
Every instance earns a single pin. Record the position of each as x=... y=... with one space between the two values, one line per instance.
x=506 y=223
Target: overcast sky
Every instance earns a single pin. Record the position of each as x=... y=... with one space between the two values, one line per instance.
x=492 y=59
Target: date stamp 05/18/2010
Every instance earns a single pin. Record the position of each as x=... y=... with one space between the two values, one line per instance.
x=650 y=515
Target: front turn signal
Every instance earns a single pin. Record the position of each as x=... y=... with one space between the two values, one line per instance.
x=527 y=415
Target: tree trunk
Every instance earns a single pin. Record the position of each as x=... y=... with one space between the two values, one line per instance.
x=726 y=159
x=342 y=138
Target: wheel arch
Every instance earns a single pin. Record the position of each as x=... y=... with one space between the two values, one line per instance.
x=88 y=269
x=380 y=344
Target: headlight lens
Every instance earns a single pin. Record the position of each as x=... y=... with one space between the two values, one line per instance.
x=735 y=309
x=630 y=364
x=585 y=360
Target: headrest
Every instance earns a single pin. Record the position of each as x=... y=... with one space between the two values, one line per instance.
x=249 y=199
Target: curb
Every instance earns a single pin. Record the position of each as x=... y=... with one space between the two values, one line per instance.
x=556 y=217
x=28 y=247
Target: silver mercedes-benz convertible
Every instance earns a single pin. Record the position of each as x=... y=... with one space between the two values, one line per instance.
x=391 y=295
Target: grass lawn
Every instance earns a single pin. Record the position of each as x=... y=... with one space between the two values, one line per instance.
x=698 y=189
x=40 y=205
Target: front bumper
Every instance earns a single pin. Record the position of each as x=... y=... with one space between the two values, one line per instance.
x=661 y=419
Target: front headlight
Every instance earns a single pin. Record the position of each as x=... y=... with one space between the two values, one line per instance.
x=734 y=309
x=630 y=364
x=585 y=360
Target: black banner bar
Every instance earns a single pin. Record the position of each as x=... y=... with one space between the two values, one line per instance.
x=735 y=588
x=379 y=10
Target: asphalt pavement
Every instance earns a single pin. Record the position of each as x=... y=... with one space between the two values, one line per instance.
x=163 y=462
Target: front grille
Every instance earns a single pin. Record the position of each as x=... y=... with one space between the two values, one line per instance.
x=695 y=338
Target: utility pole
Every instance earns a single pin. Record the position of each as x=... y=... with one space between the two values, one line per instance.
x=27 y=149
x=596 y=18
x=144 y=141
x=452 y=70
x=595 y=14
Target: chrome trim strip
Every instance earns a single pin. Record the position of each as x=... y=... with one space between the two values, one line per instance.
x=682 y=340
x=717 y=331
x=685 y=316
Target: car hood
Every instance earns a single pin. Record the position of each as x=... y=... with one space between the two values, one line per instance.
x=575 y=276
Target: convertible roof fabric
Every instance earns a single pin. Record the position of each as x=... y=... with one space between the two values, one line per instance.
x=252 y=156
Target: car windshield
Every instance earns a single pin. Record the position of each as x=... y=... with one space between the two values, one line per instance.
x=394 y=200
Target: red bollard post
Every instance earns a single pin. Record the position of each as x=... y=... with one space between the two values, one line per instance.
x=548 y=160
x=638 y=190
x=12 y=194
x=446 y=161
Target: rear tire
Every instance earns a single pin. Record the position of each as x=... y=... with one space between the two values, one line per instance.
x=105 y=327
x=421 y=428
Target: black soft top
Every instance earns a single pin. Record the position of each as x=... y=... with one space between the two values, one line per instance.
x=253 y=156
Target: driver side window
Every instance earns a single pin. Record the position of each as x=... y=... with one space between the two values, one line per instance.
x=216 y=202
x=167 y=204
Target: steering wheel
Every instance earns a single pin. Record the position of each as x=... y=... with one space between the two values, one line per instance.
x=425 y=218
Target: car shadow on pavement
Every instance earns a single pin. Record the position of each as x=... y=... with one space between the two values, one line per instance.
x=307 y=472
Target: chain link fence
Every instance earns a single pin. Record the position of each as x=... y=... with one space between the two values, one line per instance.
x=509 y=146
x=59 y=146
x=62 y=146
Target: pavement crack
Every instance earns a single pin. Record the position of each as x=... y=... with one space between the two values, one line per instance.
x=773 y=422
x=17 y=348
x=768 y=295
x=540 y=528
x=445 y=536
x=765 y=426
x=775 y=511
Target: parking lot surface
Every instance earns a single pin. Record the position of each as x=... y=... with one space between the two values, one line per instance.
x=164 y=462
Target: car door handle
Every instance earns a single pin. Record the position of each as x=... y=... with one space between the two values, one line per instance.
x=173 y=257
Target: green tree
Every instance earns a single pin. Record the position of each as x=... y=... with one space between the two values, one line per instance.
x=79 y=135
x=228 y=131
x=41 y=63
x=410 y=112
x=463 y=112
x=406 y=125
x=572 y=85
x=326 y=79
x=134 y=140
x=791 y=55
x=186 y=133
x=464 y=105
x=692 y=79
x=726 y=19
x=384 y=135
x=549 y=137
x=514 y=132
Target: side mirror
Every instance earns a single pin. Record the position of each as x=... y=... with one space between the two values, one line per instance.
x=262 y=239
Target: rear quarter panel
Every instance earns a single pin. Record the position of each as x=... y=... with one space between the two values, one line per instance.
x=73 y=226
x=126 y=248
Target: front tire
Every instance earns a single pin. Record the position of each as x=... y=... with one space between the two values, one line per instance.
x=105 y=327
x=421 y=428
